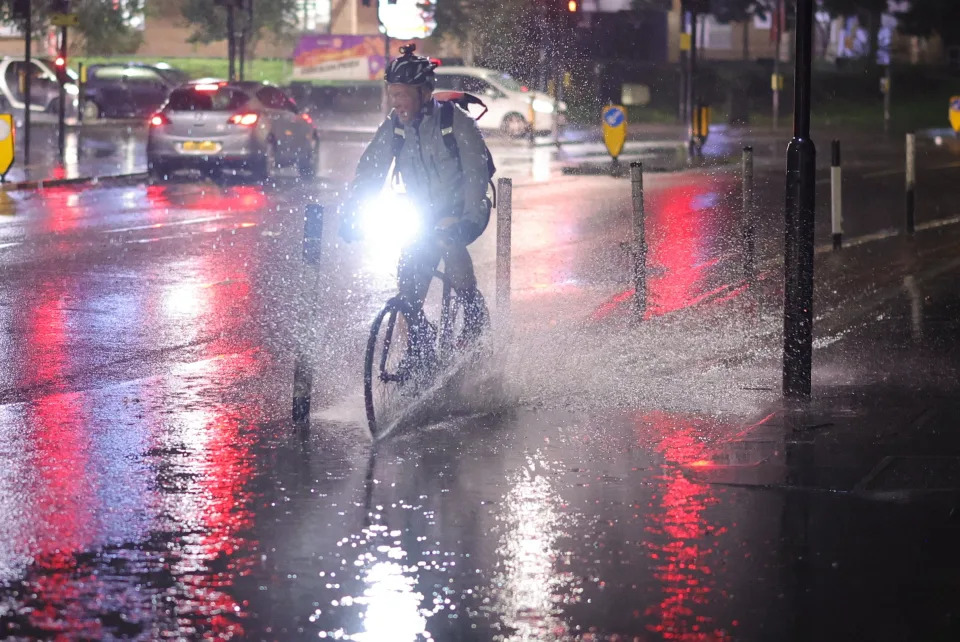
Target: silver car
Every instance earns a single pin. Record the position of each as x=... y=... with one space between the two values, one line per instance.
x=244 y=125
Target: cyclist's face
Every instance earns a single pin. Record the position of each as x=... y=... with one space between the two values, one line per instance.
x=406 y=100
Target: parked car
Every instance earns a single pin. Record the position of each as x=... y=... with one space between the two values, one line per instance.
x=508 y=101
x=44 y=90
x=245 y=125
x=128 y=90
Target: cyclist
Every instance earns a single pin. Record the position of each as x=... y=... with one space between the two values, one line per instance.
x=450 y=192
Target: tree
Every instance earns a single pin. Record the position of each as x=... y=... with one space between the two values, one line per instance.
x=209 y=22
x=929 y=17
x=868 y=12
x=105 y=27
x=505 y=34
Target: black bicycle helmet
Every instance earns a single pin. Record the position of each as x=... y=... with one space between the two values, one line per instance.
x=409 y=69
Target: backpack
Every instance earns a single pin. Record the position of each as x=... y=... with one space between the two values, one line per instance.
x=447 y=100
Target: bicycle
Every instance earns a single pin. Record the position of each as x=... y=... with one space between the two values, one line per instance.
x=390 y=374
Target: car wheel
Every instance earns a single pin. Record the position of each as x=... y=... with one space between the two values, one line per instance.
x=307 y=165
x=266 y=166
x=514 y=125
x=91 y=111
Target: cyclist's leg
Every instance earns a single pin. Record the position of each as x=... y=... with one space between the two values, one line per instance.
x=458 y=267
x=414 y=274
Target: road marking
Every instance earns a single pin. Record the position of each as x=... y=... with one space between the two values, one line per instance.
x=154 y=226
x=860 y=240
x=893 y=172
x=929 y=225
x=6 y=245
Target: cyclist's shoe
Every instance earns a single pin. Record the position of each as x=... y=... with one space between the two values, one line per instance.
x=476 y=319
x=418 y=366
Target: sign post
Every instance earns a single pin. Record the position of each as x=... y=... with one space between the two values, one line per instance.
x=954 y=114
x=7 y=144
x=614 y=131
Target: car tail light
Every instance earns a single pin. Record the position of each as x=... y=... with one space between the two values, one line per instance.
x=206 y=87
x=158 y=120
x=307 y=118
x=244 y=119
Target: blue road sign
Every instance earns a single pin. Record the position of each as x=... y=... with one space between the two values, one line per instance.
x=614 y=116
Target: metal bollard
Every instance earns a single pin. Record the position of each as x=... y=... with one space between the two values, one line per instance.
x=639 y=242
x=836 y=198
x=911 y=180
x=749 y=220
x=303 y=368
x=504 y=240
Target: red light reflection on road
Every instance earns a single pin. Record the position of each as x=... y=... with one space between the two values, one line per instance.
x=64 y=207
x=682 y=227
x=680 y=539
x=232 y=199
x=64 y=498
x=208 y=506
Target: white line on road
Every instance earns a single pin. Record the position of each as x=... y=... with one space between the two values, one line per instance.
x=929 y=225
x=154 y=226
x=894 y=172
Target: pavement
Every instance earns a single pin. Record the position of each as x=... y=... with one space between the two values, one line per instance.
x=599 y=478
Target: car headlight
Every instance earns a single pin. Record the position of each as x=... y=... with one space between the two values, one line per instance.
x=542 y=106
x=390 y=218
x=73 y=90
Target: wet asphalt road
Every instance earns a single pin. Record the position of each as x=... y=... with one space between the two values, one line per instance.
x=153 y=487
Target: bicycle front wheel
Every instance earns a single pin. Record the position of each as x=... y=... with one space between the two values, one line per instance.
x=387 y=375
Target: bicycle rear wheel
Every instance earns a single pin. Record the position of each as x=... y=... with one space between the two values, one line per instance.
x=384 y=376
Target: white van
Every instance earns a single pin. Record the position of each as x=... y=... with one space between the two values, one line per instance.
x=508 y=101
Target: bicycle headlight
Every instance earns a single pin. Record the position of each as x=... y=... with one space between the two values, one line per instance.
x=391 y=219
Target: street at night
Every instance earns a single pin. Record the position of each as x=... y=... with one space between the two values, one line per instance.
x=593 y=477
x=279 y=364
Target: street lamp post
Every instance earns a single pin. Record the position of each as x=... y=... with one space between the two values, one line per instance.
x=798 y=245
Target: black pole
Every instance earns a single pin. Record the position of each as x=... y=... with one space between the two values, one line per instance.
x=692 y=80
x=231 y=45
x=682 y=103
x=61 y=112
x=26 y=85
x=242 y=45
x=303 y=364
x=798 y=245
x=775 y=81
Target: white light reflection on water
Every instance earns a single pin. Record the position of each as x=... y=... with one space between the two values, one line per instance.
x=529 y=583
x=393 y=608
x=393 y=605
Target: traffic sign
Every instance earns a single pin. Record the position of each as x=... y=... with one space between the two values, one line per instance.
x=955 y=113
x=64 y=20
x=614 y=129
x=7 y=137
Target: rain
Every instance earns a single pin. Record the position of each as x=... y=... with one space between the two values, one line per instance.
x=715 y=397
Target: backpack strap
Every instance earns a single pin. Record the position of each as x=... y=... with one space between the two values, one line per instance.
x=446 y=130
x=399 y=137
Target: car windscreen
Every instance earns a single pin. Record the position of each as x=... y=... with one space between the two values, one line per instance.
x=221 y=99
x=506 y=81
x=173 y=76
